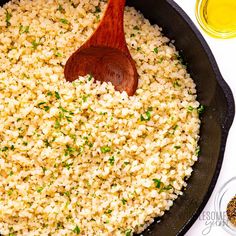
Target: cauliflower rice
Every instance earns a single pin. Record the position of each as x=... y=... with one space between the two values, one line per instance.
x=82 y=158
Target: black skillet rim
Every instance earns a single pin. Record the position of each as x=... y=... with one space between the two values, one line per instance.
x=228 y=118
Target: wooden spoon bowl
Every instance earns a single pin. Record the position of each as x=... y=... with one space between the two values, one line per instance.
x=105 y=55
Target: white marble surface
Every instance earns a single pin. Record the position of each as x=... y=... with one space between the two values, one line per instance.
x=225 y=54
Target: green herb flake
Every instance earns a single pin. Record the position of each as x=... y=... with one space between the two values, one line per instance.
x=176 y=84
x=47 y=144
x=58 y=54
x=168 y=187
x=124 y=201
x=155 y=50
x=49 y=93
x=57 y=95
x=177 y=147
x=46 y=108
x=175 y=127
x=161 y=60
x=198 y=152
x=105 y=149
x=157 y=182
x=90 y=77
x=132 y=35
x=85 y=98
x=10 y=192
x=64 y=21
x=97 y=9
x=12 y=147
x=41 y=103
x=5 y=149
x=147 y=118
x=201 y=109
x=76 y=230
x=128 y=232
x=112 y=160
x=40 y=189
x=60 y=8
x=11 y=173
x=8 y=18
x=69 y=119
x=57 y=124
x=139 y=49
x=44 y=169
x=35 y=44
x=109 y=211
x=11 y=234
x=23 y=29
x=68 y=165
x=69 y=150
x=190 y=108
x=136 y=27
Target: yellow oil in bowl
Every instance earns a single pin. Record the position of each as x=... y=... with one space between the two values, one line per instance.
x=217 y=17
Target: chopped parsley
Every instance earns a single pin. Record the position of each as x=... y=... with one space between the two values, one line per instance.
x=68 y=165
x=47 y=144
x=112 y=160
x=23 y=29
x=46 y=108
x=132 y=35
x=155 y=50
x=5 y=149
x=10 y=192
x=128 y=232
x=97 y=9
x=58 y=54
x=41 y=103
x=136 y=27
x=157 y=182
x=175 y=127
x=198 y=152
x=40 y=189
x=76 y=230
x=105 y=149
x=124 y=201
x=64 y=21
x=90 y=77
x=49 y=93
x=147 y=116
x=11 y=173
x=176 y=84
x=69 y=119
x=60 y=8
x=201 y=109
x=177 y=147
x=69 y=150
x=57 y=124
x=35 y=44
x=109 y=211
x=168 y=187
x=7 y=18
x=190 y=108
x=57 y=95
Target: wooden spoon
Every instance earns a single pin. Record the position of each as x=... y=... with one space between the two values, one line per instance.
x=105 y=55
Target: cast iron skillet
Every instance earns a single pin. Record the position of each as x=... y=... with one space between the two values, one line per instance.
x=216 y=121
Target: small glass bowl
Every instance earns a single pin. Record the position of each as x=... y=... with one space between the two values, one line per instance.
x=200 y=9
x=224 y=196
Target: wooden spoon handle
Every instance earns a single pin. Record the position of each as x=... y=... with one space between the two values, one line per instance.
x=110 y=32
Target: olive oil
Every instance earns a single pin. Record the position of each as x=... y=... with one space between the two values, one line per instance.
x=217 y=17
